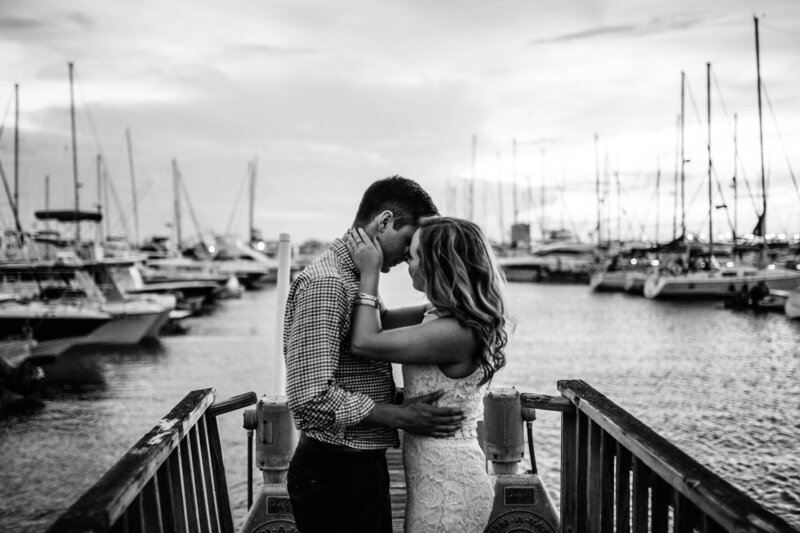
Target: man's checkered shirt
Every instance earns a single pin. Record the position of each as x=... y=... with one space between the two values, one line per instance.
x=330 y=391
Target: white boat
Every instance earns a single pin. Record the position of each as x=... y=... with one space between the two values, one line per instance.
x=634 y=282
x=792 y=305
x=47 y=290
x=619 y=276
x=132 y=321
x=185 y=268
x=555 y=261
x=719 y=283
x=606 y=280
x=235 y=258
x=55 y=326
x=186 y=295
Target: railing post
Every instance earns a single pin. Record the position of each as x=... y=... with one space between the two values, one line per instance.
x=569 y=472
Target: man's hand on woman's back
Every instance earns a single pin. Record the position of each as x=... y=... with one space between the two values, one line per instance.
x=419 y=416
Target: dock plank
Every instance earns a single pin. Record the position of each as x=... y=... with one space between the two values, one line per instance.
x=397 y=487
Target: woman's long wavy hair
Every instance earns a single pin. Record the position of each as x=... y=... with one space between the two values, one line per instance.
x=463 y=280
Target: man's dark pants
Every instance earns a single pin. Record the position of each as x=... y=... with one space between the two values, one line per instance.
x=333 y=488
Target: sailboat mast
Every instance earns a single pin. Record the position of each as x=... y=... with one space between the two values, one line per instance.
x=710 y=198
x=471 y=199
x=106 y=202
x=761 y=141
x=16 y=151
x=253 y=171
x=100 y=195
x=544 y=229
x=619 y=205
x=683 y=156
x=10 y=195
x=133 y=188
x=735 y=170
x=500 y=201
x=47 y=199
x=597 y=188
x=74 y=156
x=514 y=179
x=658 y=202
x=176 y=195
x=675 y=179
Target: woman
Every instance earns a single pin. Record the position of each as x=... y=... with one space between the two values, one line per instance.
x=456 y=345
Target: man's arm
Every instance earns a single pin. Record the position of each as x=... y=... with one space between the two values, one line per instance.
x=419 y=416
x=315 y=313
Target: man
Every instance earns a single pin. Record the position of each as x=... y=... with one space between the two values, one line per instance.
x=338 y=478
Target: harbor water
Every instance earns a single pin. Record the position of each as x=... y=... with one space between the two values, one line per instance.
x=722 y=385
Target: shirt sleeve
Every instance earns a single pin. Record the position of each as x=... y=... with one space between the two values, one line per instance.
x=315 y=328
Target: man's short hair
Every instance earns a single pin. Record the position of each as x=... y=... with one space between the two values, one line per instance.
x=407 y=201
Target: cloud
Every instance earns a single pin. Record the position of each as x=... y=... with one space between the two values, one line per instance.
x=21 y=23
x=653 y=26
x=71 y=20
x=267 y=50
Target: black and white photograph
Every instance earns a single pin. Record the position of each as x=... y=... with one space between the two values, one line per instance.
x=400 y=266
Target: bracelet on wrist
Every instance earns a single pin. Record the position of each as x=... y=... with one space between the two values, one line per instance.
x=370 y=297
x=367 y=302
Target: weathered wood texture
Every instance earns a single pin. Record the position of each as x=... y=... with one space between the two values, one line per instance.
x=173 y=479
x=397 y=488
x=619 y=475
x=546 y=403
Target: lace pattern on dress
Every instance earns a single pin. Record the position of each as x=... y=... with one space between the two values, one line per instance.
x=448 y=487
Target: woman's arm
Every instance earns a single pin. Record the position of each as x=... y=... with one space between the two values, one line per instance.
x=437 y=342
x=440 y=341
x=403 y=316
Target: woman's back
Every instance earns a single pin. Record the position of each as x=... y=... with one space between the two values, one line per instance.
x=448 y=487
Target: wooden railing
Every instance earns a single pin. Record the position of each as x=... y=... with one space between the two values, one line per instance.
x=173 y=479
x=618 y=475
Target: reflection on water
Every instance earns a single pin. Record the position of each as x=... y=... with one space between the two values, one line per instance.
x=724 y=386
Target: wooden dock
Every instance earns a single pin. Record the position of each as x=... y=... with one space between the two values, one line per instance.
x=397 y=488
x=617 y=476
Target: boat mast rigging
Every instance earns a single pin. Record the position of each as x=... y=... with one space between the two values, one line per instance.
x=762 y=221
x=514 y=180
x=133 y=187
x=16 y=152
x=597 y=191
x=176 y=202
x=683 y=155
x=74 y=155
x=253 y=174
x=471 y=188
x=710 y=190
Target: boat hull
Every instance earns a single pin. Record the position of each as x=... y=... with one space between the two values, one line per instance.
x=718 y=284
x=130 y=328
x=608 y=281
x=792 y=305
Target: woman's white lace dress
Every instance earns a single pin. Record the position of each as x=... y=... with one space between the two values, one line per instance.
x=448 y=487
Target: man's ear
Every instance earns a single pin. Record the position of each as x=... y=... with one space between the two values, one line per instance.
x=385 y=220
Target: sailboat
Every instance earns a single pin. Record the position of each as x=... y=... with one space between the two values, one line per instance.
x=729 y=281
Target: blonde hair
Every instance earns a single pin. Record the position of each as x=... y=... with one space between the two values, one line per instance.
x=463 y=281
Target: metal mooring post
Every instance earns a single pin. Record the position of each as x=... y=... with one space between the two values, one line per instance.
x=276 y=440
x=521 y=502
x=276 y=437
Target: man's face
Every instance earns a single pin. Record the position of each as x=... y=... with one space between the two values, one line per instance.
x=413 y=261
x=395 y=244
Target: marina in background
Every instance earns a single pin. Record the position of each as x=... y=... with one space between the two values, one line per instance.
x=721 y=385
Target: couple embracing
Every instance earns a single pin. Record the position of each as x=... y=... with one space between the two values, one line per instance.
x=339 y=341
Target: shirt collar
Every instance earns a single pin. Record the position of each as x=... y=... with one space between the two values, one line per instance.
x=340 y=250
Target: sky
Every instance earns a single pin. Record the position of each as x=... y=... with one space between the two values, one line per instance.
x=325 y=97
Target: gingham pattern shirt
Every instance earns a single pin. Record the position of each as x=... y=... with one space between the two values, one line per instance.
x=330 y=391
